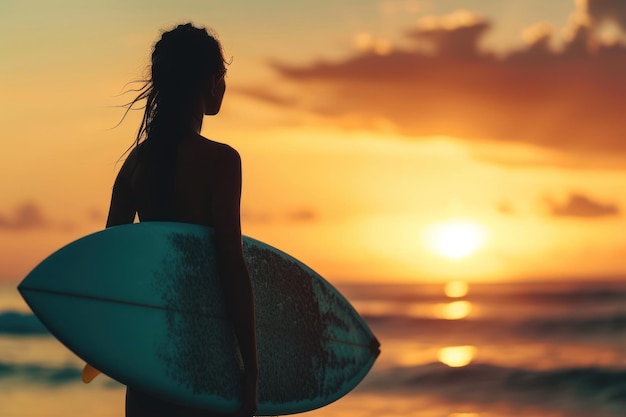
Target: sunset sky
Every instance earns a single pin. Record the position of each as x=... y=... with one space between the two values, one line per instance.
x=388 y=140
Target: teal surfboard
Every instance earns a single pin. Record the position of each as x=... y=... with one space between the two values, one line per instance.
x=142 y=303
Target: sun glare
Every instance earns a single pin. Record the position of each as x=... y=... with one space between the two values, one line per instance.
x=455 y=239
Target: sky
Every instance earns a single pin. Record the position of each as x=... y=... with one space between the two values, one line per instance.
x=388 y=140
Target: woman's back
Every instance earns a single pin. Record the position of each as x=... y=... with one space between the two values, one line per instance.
x=202 y=168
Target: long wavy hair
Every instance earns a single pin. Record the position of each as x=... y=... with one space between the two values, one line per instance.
x=181 y=62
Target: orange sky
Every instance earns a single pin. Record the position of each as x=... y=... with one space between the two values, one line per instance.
x=356 y=140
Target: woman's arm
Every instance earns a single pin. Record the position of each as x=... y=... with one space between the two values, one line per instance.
x=233 y=272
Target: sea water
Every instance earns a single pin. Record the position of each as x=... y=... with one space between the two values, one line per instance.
x=494 y=350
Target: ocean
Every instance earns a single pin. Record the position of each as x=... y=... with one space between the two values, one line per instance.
x=549 y=349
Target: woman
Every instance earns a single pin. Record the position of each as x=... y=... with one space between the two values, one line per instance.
x=175 y=174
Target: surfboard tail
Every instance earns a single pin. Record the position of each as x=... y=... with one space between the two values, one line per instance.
x=89 y=373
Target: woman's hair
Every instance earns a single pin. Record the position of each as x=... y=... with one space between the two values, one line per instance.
x=182 y=60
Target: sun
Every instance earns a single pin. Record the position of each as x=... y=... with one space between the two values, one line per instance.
x=455 y=239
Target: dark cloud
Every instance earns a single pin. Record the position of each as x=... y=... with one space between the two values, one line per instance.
x=261 y=94
x=30 y=216
x=613 y=10
x=572 y=99
x=26 y=216
x=96 y=215
x=302 y=216
x=579 y=205
x=453 y=43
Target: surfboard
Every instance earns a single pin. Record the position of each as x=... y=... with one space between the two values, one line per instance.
x=142 y=303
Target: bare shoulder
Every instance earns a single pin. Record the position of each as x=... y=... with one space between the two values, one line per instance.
x=224 y=156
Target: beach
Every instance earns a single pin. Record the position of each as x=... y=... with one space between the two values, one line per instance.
x=493 y=350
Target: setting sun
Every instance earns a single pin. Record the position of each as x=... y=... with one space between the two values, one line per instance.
x=455 y=239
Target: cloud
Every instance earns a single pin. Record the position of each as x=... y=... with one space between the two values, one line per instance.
x=26 y=216
x=579 y=205
x=267 y=96
x=29 y=216
x=601 y=10
x=96 y=215
x=302 y=216
x=454 y=35
x=570 y=99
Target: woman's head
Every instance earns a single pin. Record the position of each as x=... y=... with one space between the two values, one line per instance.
x=186 y=81
x=187 y=64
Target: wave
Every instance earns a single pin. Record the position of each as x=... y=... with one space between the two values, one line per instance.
x=40 y=374
x=610 y=325
x=529 y=293
x=602 y=327
x=21 y=324
x=578 y=389
x=47 y=375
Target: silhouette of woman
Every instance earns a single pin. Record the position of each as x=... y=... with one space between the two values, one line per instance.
x=173 y=173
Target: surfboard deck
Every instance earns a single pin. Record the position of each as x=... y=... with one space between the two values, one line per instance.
x=143 y=304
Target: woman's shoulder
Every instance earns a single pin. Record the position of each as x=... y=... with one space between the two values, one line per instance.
x=220 y=152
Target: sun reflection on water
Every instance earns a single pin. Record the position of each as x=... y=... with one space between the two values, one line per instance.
x=456 y=356
x=456 y=289
x=455 y=310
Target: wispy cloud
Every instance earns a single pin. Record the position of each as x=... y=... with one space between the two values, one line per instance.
x=96 y=215
x=301 y=216
x=580 y=205
x=26 y=216
x=603 y=10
